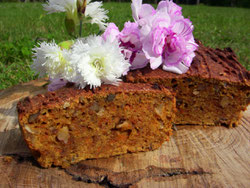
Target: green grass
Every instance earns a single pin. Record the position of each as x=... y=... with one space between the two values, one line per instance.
x=23 y=24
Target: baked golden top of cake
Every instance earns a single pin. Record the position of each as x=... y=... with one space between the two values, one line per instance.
x=66 y=93
x=208 y=63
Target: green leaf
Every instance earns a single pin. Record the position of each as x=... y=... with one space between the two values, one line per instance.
x=66 y=44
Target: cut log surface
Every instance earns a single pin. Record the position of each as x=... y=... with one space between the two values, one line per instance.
x=195 y=156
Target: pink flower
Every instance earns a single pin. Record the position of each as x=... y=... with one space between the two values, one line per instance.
x=111 y=32
x=170 y=8
x=131 y=34
x=162 y=37
x=142 y=12
x=166 y=36
x=136 y=7
x=129 y=39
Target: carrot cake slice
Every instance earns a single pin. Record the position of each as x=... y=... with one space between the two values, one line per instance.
x=70 y=124
x=214 y=91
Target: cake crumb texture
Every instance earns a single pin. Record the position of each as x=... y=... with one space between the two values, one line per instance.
x=70 y=125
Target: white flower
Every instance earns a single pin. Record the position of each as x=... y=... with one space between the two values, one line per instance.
x=68 y=6
x=97 y=61
x=50 y=59
x=95 y=14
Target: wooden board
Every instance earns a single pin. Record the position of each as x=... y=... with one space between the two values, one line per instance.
x=194 y=157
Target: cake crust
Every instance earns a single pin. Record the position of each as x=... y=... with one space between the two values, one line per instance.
x=208 y=63
x=59 y=97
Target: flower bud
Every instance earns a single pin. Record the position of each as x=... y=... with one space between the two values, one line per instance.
x=81 y=7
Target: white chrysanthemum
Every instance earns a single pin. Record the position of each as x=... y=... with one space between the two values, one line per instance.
x=97 y=61
x=95 y=14
x=50 y=59
x=68 y=6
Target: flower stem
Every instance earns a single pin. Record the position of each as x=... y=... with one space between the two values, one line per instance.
x=99 y=32
x=80 y=31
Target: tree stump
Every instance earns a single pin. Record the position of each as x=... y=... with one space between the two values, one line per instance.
x=195 y=156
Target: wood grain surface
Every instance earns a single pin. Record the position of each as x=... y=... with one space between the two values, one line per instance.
x=195 y=156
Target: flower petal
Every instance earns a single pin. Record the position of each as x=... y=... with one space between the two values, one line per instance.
x=184 y=28
x=139 y=61
x=111 y=33
x=155 y=62
x=56 y=84
x=136 y=6
x=146 y=11
x=178 y=69
x=97 y=14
